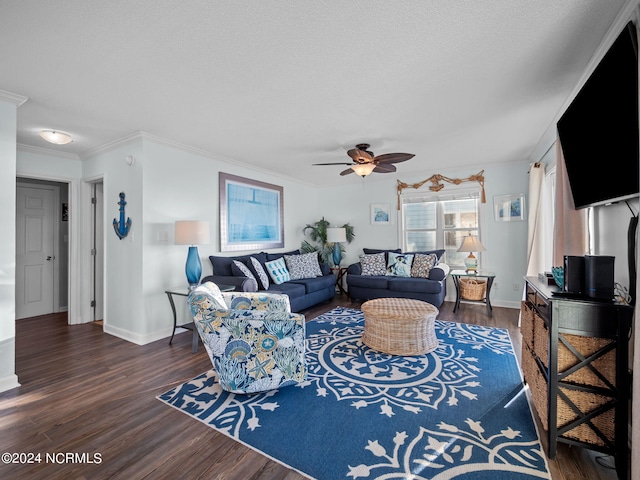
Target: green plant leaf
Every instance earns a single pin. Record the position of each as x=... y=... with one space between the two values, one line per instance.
x=317 y=232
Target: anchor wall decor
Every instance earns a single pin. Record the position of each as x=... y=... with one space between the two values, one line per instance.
x=121 y=227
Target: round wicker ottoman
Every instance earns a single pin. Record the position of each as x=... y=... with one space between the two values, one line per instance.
x=399 y=326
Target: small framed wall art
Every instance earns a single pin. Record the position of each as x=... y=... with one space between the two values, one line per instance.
x=380 y=213
x=508 y=208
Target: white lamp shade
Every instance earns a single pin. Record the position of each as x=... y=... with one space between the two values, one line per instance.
x=192 y=232
x=336 y=234
x=471 y=244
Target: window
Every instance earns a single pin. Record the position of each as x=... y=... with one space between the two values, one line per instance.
x=430 y=222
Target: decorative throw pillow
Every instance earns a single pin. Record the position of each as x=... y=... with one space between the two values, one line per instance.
x=243 y=269
x=260 y=273
x=278 y=271
x=303 y=266
x=422 y=265
x=373 y=264
x=399 y=264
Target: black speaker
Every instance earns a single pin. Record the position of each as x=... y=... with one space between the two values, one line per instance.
x=598 y=274
x=574 y=274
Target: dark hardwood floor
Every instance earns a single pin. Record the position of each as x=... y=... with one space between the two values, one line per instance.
x=88 y=393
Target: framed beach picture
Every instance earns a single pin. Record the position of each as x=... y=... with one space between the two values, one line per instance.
x=251 y=214
x=508 y=208
x=380 y=213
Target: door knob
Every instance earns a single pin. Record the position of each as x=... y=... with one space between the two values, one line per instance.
x=49 y=258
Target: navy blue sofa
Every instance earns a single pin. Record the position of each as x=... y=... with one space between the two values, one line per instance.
x=303 y=293
x=366 y=287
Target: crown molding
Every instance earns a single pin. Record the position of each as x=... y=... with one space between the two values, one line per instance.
x=46 y=151
x=94 y=152
x=215 y=156
x=14 y=98
x=144 y=136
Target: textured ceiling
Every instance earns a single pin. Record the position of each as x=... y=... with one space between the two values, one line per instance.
x=285 y=84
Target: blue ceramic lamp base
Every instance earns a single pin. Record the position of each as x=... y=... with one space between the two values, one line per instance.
x=337 y=254
x=193 y=268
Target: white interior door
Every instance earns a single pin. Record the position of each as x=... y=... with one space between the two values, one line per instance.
x=98 y=248
x=35 y=213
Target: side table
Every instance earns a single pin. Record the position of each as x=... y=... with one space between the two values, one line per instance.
x=184 y=292
x=340 y=273
x=457 y=274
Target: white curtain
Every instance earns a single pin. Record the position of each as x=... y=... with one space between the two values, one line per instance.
x=570 y=236
x=635 y=432
x=535 y=240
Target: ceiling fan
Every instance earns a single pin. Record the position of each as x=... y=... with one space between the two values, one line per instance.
x=365 y=162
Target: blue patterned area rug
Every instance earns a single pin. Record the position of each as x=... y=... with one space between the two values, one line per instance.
x=458 y=412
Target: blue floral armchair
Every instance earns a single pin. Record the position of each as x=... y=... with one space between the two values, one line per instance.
x=254 y=341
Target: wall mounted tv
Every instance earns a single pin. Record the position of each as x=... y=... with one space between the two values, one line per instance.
x=599 y=130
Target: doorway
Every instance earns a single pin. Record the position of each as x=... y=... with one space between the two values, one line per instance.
x=97 y=252
x=42 y=236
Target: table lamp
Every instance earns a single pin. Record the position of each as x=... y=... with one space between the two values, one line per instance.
x=336 y=235
x=192 y=233
x=471 y=244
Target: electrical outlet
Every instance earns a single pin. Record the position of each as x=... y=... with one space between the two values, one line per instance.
x=516 y=287
x=494 y=286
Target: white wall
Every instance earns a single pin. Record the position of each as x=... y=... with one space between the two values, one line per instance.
x=47 y=164
x=8 y=379
x=506 y=242
x=164 y=184
x=183 y=185
x=124 y=314
x=611 y=224
x=167 y=183
x=66 y=170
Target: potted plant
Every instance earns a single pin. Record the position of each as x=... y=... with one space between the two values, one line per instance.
x=317 y=232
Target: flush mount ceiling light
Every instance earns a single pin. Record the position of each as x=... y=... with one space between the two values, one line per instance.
x=58 y=138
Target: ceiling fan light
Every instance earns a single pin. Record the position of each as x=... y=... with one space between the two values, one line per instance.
x=363 y=169
x=57 y=138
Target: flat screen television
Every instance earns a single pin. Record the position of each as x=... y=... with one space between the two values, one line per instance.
x=599 y=130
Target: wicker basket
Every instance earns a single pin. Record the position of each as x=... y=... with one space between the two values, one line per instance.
x=587 y=403
x=472 y=289
x=526 y=324
x=537 y=385
x=586 y=346
x=541 y=339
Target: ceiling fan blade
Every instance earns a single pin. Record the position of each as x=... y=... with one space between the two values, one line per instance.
x=340 y=163
x=360 y=156
x=393 y=157
x=346 y=172
x=384 y=168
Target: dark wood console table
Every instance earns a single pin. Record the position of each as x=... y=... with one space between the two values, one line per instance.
x=575 y=361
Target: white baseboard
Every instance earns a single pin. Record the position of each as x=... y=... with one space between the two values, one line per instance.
x=9 y=382
x=494 y=303
x=136 y=338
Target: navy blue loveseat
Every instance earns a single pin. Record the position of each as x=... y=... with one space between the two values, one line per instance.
x=431 y=289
